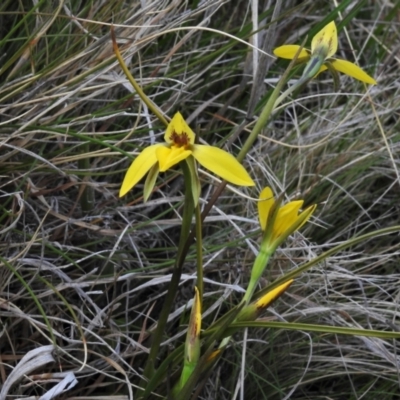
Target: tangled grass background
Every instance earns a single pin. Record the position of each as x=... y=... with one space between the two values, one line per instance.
x=87 y=272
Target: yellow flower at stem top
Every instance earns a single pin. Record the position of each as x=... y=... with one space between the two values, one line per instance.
x=277 y=223
x=179 y=145
x=323 y=46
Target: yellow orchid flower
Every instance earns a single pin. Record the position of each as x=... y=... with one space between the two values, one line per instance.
x=278 y=224
x=179 y=145
x=323 y=46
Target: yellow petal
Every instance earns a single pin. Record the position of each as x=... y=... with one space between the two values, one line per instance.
x=306 y=214
x=325 y=41
x=287 y=216
x=222 y=164
x=150 y=182
x=268 y=298
x=169 y=156
x=288 y=51
x=352 y=70
x=178 y=126
x=284 y=230
x=264 y=206
x=141 y=164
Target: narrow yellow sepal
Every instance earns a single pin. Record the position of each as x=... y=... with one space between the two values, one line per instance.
x=271 y=296
x=222 y=164
x=264 y=206
x=139 y=167
x=178 y=126
x=325 y=42
x=288 y=51
x=170 y=156
x=253 y=310
x=150 y=182
x=353 y=70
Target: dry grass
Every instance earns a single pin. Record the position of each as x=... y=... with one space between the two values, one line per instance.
x=87 y=272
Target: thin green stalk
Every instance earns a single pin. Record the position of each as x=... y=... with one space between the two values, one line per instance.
x=199 y=253
x=152 y=107
x=268 y=109
x=258 y=268
x=290 y=90
x=157 y=336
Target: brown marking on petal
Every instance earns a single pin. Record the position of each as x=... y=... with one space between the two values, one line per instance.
x=181 y=140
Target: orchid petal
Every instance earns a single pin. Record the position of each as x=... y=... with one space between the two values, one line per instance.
x=306 y=214
x=222 y=164
x=264 y=301
x=351 y=69
x=298 y=222
x=252 y=311
x=264 y=206
x=169 y=156
x=325 y=41
x=150 y=181
x=288 y=51
x=178 y=126
x=140 y=165
x=286 y=217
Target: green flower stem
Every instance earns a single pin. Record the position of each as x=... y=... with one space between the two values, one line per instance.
x=199 y=253
x=170 y=362
x=313 y=66
x=152 y=107
x=268 y=109
x=257 y=270
x=290 y=90
x=157 y=336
